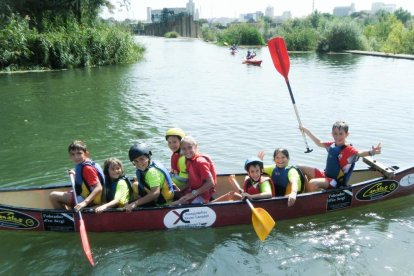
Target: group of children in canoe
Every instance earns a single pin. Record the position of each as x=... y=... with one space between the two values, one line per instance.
x=192 y=176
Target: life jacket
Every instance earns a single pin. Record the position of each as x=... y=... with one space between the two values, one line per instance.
x=166 y=191
x=79 y=177
x=333 y=169
x=212 y=169
x=180 y=176
x=174 y=162
x=253 y=189
x=281 y=180
x=110 y=188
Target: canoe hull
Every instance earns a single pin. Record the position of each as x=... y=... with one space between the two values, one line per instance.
x=256 y=62
x=210 y=215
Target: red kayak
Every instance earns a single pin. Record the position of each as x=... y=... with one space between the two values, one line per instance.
x=256 y=62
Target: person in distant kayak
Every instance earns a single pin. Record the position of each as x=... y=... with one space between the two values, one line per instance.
x=250 y=54
x=155 y=186
x=256 y=186
x=118 y=188
x=340 y=162
x=179 y=173
x=89 y=179
x=202 y=176
x=233 y=47
x=287 y=180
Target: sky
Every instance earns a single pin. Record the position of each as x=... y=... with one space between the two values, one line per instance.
x=232 y=8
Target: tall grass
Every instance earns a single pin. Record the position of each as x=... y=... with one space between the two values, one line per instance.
x=64 y=46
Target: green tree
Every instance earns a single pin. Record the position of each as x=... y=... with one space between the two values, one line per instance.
x=241 y=34
x=377 y=32
x=208 y=33
x=403 y=15
x=342 y=34
x=299 y=34
x=395 y=39
x=408 y=41
x=60 y=10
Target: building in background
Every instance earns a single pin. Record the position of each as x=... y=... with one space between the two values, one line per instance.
x=270 y=12
x=286 y=15
x=344 y=11
x=254 y=16
x=190 y=7
x=155 y=16
x=149 y=10
x=377 y=6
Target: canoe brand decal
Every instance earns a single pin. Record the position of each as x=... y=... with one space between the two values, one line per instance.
x=17 y=220
x=339 y=199
x=407 y=180
x=62 y=222
x=377 y=190
x=190 y=217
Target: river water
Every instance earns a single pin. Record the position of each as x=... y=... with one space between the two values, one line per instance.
x=233 y=110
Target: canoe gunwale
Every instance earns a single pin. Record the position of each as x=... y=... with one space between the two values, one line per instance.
x=370 y=187
x=236 y=202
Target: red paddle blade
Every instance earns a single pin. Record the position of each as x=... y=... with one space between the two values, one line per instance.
x=85 y=242
x=280 y=56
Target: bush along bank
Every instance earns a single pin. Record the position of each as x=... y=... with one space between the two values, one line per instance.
x=67 y=45
x=321 y=32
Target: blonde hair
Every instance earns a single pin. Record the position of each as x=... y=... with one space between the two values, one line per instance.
x=189 y=140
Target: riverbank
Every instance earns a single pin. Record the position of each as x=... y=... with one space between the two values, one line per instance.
x=380 y=54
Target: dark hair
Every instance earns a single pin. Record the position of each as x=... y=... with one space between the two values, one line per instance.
x=107 y=164
x=340 y=125
x=282 y=150
x=77 y=145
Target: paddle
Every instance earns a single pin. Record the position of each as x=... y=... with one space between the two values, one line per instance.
x=280 y=57
x=82 y=229
x=262 y=221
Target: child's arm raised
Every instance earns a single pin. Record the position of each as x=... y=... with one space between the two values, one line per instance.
x=375 y=150
x=315 y=139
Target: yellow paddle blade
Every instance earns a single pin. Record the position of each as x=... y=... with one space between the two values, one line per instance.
x=263 y=222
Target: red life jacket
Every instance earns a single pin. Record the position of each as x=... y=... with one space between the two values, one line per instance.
x=251 y=189
x=211 y=168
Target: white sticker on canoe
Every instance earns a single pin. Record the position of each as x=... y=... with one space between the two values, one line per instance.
x=407 y=180
x=190 y=217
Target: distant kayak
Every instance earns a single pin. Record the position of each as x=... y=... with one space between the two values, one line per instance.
x=256 y=62
x=233 y=52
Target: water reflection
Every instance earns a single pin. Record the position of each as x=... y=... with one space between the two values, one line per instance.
x=341 y=61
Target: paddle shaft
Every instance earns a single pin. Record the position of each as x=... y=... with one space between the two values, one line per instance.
x=297 y=115
x=250 y=204
x=82 y=229
x=236 y=185
x=281 y=61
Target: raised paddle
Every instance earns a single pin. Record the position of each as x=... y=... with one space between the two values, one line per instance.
x=82 y=229
x=262 y=221
x=280 y=57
